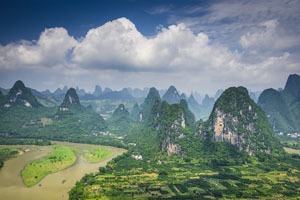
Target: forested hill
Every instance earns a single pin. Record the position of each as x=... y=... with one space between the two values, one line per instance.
x=237 y=119
x=282 y=106
x=231 y=155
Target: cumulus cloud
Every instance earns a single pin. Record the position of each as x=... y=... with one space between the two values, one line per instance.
x=118 y=44
x=175 y=55
x=50 y=49
x=109 y=46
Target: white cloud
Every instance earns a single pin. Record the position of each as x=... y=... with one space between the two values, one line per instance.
x=117 y=54
x=119 y=45
x=267 y=36
x=109 y=46
x=49 y=50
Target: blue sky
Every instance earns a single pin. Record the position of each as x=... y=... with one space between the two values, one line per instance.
x=195 y=45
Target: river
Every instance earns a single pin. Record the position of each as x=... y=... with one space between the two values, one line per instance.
x=54 y=186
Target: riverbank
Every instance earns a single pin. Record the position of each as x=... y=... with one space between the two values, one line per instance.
x=53 y=186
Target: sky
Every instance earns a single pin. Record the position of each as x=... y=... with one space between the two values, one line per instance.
x=195 y=45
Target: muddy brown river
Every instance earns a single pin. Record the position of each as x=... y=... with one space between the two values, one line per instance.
x=52 y=187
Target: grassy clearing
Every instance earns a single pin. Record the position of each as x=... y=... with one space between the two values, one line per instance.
x=292 y=151
x=60 y=158
x=97 y=154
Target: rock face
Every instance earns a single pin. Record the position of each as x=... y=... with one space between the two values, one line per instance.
x=170 y=122
x=236 y=119
x=172 y=96
x=20 y=95
x=71 y=101
x=223 y=132
x=282 y=107
x=169 y=143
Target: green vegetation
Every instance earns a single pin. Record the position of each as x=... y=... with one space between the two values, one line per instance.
x=120 y=122
x=277 y=110
x=247 y=121
x=289 y=142
x=60 y=158
x=175 y=178
x=151 y=103
x=7 y=153
x=292 y=151
x=282 y=107
x=200 y=166
x=169 y=155
x=84 y=126
x=106 y=106
x=97 y=154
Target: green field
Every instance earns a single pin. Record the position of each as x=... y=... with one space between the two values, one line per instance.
x=60 y=158
x=96 y=154
x=174 y=178
x=292 y=151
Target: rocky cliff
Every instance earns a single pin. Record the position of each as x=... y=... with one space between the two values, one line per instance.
x=237 y=120
x=168 y=122
x=71 y=101
x=20 y=95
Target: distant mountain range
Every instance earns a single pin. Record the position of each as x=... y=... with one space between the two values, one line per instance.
x=236 y=120
x=162 y=135
x=169 y=151
x=281 y=106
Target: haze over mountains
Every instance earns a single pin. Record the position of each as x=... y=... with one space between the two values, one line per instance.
x=283 y=120
x=280 y=106
x=161 y=132
x=129 y=106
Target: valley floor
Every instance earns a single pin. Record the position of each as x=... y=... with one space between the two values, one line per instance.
x=178 y=179
x=56 y=185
